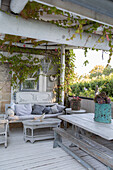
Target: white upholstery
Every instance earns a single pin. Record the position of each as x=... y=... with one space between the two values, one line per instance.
x=21 y=118
x=41 y=98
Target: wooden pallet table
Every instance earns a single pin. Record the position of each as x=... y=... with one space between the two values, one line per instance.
x=36 y=130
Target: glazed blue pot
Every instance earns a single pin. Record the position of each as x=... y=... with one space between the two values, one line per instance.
x=102 y=113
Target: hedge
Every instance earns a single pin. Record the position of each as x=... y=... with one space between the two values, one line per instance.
x=87 y=87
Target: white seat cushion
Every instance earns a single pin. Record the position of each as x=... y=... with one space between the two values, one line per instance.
x=23 y=109
x=27 y=117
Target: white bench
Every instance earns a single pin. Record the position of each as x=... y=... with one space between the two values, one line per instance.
x=40 y=98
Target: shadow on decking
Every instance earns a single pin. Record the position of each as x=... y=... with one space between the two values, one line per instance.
x=41 y=155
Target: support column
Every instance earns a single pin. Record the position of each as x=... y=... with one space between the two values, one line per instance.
x=12 y=99
x=41 y=81
x=62 y=73
x=44 y=83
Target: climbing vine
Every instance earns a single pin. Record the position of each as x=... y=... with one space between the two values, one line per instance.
x=21 y=66
x=69 y=69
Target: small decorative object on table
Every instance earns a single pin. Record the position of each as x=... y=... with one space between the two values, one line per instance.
x=40 y=118
x=75 y=103
x=9 y=112
x=102 y=108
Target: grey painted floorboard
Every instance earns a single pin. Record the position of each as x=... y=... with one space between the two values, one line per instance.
x=38 y=156
x=41 y=155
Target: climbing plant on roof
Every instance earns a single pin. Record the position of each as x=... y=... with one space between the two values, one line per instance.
x=34 y=10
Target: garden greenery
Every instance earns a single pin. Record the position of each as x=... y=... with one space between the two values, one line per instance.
x=22 y=67
x=87 y=88
x=36 y=11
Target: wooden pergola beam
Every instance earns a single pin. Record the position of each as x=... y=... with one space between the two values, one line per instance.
x=13 y=25
x=100 y=11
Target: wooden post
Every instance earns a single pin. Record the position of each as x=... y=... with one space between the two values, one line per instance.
x=57 y=138
x=44 y=83
x=62 y=73
x=12 y=99
x=41 y=81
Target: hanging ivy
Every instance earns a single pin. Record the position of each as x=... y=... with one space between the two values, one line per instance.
x=21 y=65
x=36 y=10
x=33 y=10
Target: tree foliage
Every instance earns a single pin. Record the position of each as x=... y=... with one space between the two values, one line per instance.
x=88 y=86
x=108 y=70
x=96 y=71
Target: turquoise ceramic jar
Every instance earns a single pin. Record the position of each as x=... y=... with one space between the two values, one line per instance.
x=102 y=113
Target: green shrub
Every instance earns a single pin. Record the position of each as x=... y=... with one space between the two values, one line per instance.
x=87 y=88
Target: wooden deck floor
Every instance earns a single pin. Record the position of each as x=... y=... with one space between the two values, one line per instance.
x=40 y=155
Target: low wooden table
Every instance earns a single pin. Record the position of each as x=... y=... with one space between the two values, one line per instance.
x=36 y=130
x=70 y=111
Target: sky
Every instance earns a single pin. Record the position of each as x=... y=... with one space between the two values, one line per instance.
x=94 y=57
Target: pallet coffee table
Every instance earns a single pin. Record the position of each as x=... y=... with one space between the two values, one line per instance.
x=36 y=130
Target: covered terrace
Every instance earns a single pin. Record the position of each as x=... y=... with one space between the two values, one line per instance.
x=45 y=29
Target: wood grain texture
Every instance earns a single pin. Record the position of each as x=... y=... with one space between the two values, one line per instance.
x=94 y=151
x=86 y=122
x=40 y=155
x=39 y=130
x=3 y=132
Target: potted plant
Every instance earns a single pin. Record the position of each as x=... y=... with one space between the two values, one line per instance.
x=102 y=108
x=75 y=103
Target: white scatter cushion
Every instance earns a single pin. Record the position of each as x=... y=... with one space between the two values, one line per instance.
x=54 y=109
x=23 y=109
x=13 y=105
x=10 y=112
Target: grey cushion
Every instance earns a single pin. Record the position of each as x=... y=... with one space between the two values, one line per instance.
x=23 y=109
x=60 y=108
x=47 y=110
x=54 y=109
x=38 y=109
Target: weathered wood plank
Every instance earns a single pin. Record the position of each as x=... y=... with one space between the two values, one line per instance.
x=27 y=28
x=87 y=158
x=96 y=145
x=42 y=150
x=91 y=161
x=103 y=157
x=40 y=153
x=32 y=163
x=87 y=122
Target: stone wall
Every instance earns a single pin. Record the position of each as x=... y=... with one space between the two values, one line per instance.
x=5 y=86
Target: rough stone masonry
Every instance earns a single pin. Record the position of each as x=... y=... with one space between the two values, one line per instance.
x=5 y=86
